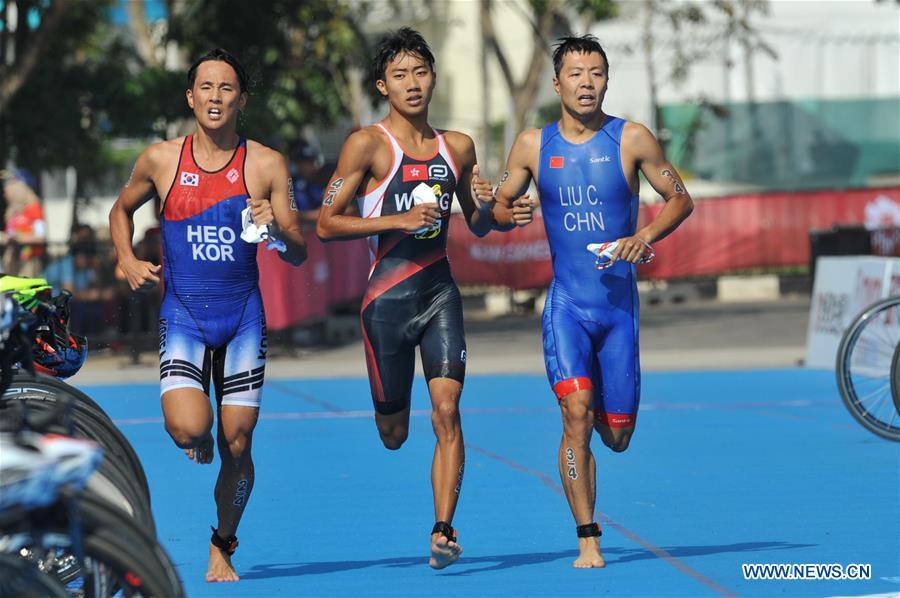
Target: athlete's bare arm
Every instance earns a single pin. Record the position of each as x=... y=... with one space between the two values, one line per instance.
x=268 y=181
x=641 y=152
x=473 y=192
x=360 y=158
x=145 y=182
x=514 y=207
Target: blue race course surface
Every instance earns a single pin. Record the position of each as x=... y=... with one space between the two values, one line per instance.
x=725 y=468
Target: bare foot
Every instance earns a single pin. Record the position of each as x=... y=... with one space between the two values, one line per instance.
x=203 y=452
x=220 y=568
x=589 y=556
x=443 y=551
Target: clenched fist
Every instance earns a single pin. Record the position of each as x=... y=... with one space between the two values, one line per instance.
x=261 y=211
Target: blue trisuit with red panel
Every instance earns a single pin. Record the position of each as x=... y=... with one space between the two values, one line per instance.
x=590 y=319
x=211 y=319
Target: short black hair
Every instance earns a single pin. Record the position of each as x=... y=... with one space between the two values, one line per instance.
x=586 y=44
x=224 y=56
x=403 y=40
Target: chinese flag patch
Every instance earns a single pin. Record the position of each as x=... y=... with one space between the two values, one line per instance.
x=557 y=161
x=415 y=172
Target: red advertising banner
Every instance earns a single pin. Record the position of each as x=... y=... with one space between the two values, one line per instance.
x=519 y=259
x=722 y=235
x=762 y=230
x=348 y=268
x=331 y=275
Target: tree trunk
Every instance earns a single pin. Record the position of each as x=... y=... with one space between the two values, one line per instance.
x=484 y=16
x=648 y=46
x=137 y=23
x=522 y=94
x=527 y=92
x=14 y=77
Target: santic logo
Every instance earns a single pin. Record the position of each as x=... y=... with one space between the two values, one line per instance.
x=882 y=212
x=190 y=179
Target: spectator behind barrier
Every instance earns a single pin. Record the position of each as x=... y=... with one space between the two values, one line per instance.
x=26 y=229
x=139 y=312
x=305 y=162
x=74 y=271
x=78 y=272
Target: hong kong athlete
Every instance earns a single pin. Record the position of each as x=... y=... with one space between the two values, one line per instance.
x=403 y=174
x=212 y=325
x=586 y=169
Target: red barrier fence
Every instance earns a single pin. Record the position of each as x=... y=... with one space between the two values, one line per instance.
x=722 y=235
x=725 y=234
x=763 y=230
x=332 y=275
x=519 y=259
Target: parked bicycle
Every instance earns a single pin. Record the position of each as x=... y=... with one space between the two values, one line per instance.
x=868 y=368
x=49 y=519
x=56 y=353
x=74 y=519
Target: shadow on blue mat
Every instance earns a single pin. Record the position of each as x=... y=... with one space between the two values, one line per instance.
x=690 y=551
x=622 y=555
x=499 y=562
x=506 y=561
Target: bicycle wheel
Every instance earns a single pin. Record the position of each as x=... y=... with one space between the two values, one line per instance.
x=21 y=578
x=118 y=556
x=868 y=367
x=112 y=467
x=43 y=382
x=35 y=386
x=107 y=527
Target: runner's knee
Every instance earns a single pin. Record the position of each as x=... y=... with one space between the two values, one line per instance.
x=394 y=438
x=393 y=428
x=618 y=446
x=616 y=439
x=187 y=434
x=576 y=413
x=237 y=444
x=445 y=418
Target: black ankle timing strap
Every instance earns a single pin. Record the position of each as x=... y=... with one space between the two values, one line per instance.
x=589 y=530
x=226 y=545
x=442 y=527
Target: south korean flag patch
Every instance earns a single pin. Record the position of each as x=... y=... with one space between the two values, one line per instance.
x=190 y=179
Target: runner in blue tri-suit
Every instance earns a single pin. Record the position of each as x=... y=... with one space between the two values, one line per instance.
x=212 y=326
x=586 y=170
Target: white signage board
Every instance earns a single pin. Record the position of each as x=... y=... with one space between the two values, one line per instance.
x=844 y=286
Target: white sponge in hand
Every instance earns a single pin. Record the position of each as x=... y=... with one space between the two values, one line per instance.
x=252 y=233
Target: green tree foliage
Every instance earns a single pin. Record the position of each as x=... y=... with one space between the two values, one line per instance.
x=297 y=54
x=549 y=19
x=88 y=87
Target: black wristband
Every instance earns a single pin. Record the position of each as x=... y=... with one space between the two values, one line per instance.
x=589 y=530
